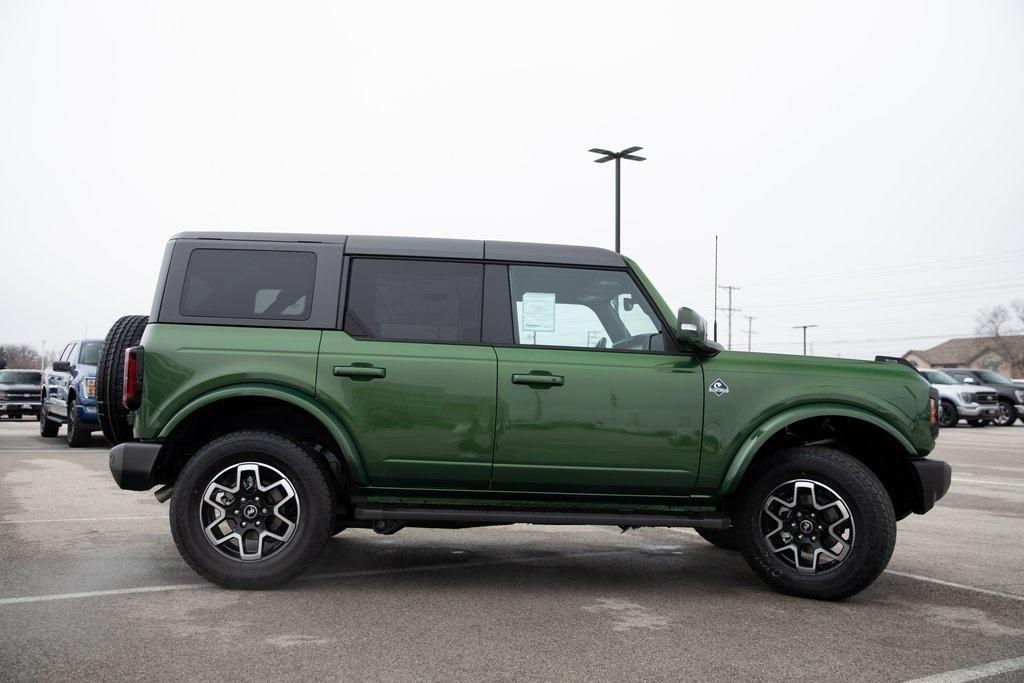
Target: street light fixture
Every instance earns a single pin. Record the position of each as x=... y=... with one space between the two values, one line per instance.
x=804 y=328
x=617 y=156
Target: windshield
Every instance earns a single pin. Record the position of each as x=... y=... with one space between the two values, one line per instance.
x=20 y=377
x=989 y=377
x=90 y=354
x=936 y=377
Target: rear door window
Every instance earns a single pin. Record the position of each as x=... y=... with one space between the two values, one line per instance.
x=249 y=283
x=409 y=300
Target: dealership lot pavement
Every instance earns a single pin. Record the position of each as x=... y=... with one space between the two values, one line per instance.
x=91 y=586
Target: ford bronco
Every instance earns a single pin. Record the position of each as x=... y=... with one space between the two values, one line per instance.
x=287 y=387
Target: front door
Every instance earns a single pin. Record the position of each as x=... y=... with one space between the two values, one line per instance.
x=408 y=374
x=589 y=399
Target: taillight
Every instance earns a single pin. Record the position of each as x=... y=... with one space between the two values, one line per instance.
x=131 y=390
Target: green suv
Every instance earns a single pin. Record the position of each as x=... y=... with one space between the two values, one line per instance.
x=287 y=387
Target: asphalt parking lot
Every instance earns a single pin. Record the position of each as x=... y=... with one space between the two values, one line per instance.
x=91 y=586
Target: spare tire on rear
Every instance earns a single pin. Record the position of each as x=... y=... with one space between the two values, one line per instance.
x=113 y=416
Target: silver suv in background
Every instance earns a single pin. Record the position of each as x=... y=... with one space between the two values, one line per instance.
x=979 y=405
x=19 y=393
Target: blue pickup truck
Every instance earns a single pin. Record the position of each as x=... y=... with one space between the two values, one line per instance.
x=69 y=392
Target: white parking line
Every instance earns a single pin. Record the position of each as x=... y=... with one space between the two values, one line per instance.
x=973 y=673
x=93 y=594
x=961 y=586
x=79 y=519
x=987 y=483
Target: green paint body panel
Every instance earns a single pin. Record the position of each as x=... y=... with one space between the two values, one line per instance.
x=626 y=423
x=445 y=422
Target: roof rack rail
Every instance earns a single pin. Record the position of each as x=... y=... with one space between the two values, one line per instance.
x=897 y=359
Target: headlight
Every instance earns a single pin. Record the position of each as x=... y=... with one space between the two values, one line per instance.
x=3 y=395
x=90 y=388
x=1019 y=393
x=966 y=397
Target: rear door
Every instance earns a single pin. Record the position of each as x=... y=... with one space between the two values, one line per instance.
x=592 y=396
x=409 y=375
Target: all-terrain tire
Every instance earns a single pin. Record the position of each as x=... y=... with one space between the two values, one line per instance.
x=76 y=436
x=113 y=417
x=721 y=538
x=47 y=427
x=314 y=523
x=869 y=508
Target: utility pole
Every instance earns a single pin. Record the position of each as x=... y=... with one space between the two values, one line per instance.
x=750 y=329
x=618 y=157
x=42 y=356
x=804 y=328
x=729 y=309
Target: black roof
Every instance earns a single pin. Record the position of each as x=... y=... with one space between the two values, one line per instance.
x=488 y=250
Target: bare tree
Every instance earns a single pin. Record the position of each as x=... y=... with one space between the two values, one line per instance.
x=20 y=356
x=995 y=322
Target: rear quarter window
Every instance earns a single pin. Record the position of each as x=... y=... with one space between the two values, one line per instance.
x=249 y=284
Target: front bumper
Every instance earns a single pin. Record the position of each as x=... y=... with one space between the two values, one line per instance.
x=976 y=410
x=931 y=479
x=134 y=465
x=19 y=407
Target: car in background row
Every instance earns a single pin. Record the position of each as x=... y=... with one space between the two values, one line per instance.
x=19 y=393
x=976 y=404
x=1011 y=396
x=69 y=392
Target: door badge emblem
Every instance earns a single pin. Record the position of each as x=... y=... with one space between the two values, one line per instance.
x=719 y=388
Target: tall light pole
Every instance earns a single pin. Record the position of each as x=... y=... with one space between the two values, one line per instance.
x=804 y=328
x=618 y=157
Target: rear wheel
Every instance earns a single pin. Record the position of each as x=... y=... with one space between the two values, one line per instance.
x=47 y=427
x=816 y=523
x=722 y=538
x=251 y=510
x=1007 y=414
x=113 y=416
x=947 y=414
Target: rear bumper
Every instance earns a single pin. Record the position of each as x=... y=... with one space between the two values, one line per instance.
x=931 y=482
x=133 y=465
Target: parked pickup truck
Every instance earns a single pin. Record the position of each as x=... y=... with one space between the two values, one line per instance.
x=286 y=387
x=978 y=405
x=19 y=393
x=69 y=392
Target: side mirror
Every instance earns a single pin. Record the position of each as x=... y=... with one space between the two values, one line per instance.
x=692 y=332
x=61 y=366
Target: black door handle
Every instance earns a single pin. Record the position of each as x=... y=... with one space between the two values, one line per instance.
x=359 y=371
x=545 y=380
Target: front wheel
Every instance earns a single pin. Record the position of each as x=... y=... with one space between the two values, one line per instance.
x=815 y=522
x=75 y=434
x=947 y=414
x=251 y=510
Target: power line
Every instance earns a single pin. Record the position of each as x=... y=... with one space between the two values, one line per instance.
x=1002 y=284
x=729 y=309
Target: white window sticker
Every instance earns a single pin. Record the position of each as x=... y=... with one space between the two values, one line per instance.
x=539 y=311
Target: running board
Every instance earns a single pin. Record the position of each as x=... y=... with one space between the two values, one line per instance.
x=492 y=516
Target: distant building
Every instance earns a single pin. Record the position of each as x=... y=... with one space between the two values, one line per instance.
x=974 y=352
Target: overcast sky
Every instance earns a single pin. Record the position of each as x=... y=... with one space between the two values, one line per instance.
x=862 y=163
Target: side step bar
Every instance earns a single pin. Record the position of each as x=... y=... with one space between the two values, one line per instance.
x=492 y=516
